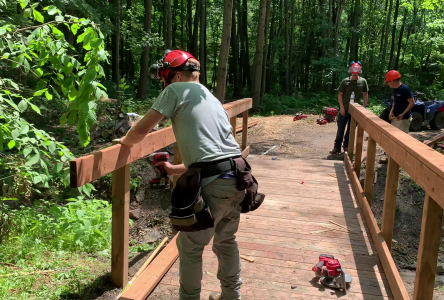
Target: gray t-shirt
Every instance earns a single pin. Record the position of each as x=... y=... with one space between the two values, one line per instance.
x=200 y=122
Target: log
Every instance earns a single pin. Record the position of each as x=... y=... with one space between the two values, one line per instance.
x=239 y=128
x=436 y=139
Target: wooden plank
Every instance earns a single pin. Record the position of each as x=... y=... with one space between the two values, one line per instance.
x=397 y=286
x=246 y=152
x=351 y=141
x=428 y=250
x=177 y=160
x=240 y=128
x=359 y=142
x=233 y=125
x=120 y=225
x=237 y=107
x=436 y=139
x=91 y=167
x=152 y=275
x=370 y=169
x=388 y=213
x=244 y=129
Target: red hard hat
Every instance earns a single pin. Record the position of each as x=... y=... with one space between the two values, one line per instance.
x=355 y=69
x=173 y=60
x=392 y=75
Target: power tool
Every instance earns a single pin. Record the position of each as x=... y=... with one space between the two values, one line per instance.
x=329 y=113
x=162 y=180
x=299 y=116
x=331 y=273
x=321 y=121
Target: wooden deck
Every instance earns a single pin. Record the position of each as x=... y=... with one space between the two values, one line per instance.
x=278 y=237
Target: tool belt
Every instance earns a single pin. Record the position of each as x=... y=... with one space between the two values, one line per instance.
x=190 y=212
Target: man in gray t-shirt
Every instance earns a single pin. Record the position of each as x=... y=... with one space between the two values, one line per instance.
x=203 y=134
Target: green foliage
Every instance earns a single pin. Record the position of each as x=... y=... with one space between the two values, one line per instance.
x=81 y=225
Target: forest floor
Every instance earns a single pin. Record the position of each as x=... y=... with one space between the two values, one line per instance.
x=301 y=139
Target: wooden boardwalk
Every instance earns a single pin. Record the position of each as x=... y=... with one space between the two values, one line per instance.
x=278 y=237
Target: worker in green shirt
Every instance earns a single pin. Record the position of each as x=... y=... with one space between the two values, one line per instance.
x=352 y=86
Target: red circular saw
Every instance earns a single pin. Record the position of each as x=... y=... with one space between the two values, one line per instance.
x=331 y=273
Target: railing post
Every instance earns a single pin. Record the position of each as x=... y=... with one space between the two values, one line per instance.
x=388 y=213
x=428 y=249
x=359 y=141
x=177 y=160
x=370 y=169
x=244 y=129
x=351 y=140
x=233 y=124
x=120 y=225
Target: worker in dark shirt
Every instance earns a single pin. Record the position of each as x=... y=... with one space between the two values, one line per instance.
x=400 y=114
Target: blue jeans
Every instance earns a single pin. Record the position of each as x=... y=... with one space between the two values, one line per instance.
x=343 y=121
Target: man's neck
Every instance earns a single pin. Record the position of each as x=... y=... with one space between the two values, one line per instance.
x=400 y=83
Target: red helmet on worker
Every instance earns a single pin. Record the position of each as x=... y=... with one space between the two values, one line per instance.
x=172 y=62
x=355 y=68
x=392 y=75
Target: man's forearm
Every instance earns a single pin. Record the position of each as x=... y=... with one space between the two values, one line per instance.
x=341 y=105
x=409 y=107
x=365 y=99
x=179 y=169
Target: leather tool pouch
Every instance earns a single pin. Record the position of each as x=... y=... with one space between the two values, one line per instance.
x=246 y=181
x=189 y=211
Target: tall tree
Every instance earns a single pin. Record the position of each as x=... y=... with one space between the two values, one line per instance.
x=115 y=41
x=264 y=64
x=287 y=49
x=223 y=54
x=169 y=29
x=194 y=50
x=354 y=41
x=387 y=28
x=189 y=23
x=234 y=53
x=246 y=64
x=144 y=67
x=259 y=55
x=203 y=43
x=129 y=54
x=395 y=18
x=401 y=33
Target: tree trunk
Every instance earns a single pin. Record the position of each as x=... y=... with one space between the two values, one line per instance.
x=235 y=53
x=395 y=18
x=259 y=55
x=182 y=24
x=189 y=24
x=354 y=40
x=337 y=22
x=384 y=50
x=194 y=48
x=241 y=44
x=287 y=49
x=174 y=26
x=115 y=40
x=401 y=33
x=129 y=54
x=203 y=44
x=223 y=54
x=269 y=69
x=247 y=74
x=265 y=65
x=144 y=67
x=169 y=29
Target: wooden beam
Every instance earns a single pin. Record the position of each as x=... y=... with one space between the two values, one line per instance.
x=233 y=125
x=436 y=139
x=237 y=107
x=428 y=250
x=391 y=272
x=359 y=142
x=370 y=170
x=120 y=225
x=391 y=190
x=153 y=274
x=351 y=141
x=244 y=129
x=91 y=167
x=424 y=165
x=177 y=160
x=246 y=152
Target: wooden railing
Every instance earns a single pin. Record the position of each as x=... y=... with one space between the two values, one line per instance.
x=426 y=167
x=117 y=159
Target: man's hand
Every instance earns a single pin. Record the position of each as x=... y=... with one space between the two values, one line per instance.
x=391 y=116
x=172 y=169
x=342 y=111
x=400 y=117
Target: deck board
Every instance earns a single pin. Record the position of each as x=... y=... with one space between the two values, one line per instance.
x=278 y=237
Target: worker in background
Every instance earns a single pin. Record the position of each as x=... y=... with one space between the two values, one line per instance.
x=351 y=87
x=400 y=114
x=204 y=135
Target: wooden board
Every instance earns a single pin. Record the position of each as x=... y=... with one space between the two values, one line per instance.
x=436 y=139
x=278 y=237
x=91 y=167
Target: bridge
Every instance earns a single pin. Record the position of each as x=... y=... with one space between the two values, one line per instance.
x=312 y=207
